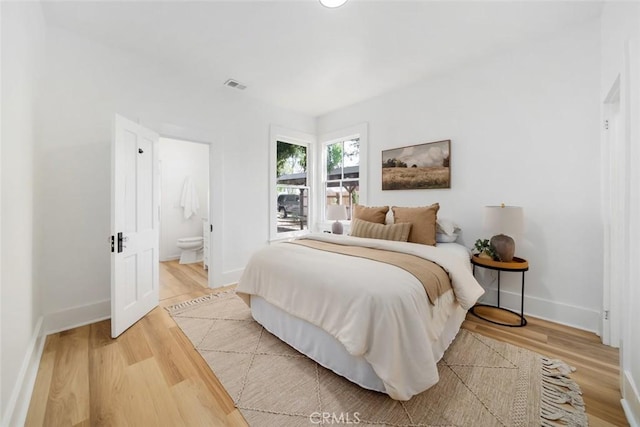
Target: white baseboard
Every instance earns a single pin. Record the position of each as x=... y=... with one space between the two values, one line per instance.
x=570 y=315
x=77 y=316
x=18 y=404
x=631 y=400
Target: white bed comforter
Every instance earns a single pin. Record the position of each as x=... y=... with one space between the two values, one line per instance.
x=376 y=310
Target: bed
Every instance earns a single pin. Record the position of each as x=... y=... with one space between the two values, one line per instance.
x=372 y=322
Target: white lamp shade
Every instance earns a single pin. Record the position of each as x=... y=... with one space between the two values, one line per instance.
x=507 y=220
x=336 y=212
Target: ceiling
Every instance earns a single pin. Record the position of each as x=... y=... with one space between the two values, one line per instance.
x=302 y=56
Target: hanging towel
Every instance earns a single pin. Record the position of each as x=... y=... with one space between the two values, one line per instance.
x=189 y=201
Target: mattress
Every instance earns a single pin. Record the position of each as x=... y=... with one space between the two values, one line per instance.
x=326 y=350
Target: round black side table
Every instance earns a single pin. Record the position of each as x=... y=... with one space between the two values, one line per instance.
x=518 y=265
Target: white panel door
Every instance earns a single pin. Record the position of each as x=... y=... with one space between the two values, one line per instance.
x=135 y=195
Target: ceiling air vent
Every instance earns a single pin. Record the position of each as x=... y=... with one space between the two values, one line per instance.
x=235 y=84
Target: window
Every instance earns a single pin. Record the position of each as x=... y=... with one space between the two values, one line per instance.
x=291 y=186
x=291 y=192
x=342 y=165
x=343 y=170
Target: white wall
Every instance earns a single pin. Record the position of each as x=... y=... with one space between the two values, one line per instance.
x=86 y=83
x=524 y=127
x=179 y=159
x=20 y=312
x=621 y=57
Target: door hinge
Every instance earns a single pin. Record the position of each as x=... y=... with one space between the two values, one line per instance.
x=606 y=315
x=210 y=228
x=112 y=243
x=606 y=125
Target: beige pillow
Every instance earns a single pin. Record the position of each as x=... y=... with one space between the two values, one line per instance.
x=375 y=214
x=423 y=222
x=397 y=232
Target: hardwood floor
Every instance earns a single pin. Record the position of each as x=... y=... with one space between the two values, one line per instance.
x=149 y=376
x=152 y=376
x=178 y=279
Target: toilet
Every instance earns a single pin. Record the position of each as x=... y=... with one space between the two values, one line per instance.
x=191 y=248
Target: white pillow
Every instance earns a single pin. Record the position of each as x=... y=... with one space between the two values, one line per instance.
x=389 y=217
x=446 y=226
x=446 y=238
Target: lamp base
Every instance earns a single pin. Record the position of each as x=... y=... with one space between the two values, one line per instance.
x=505 y=247
x=336 y=228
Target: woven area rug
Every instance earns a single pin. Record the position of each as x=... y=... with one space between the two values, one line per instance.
x=483 y=382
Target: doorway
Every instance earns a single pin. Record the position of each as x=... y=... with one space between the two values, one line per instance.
x=184 y=218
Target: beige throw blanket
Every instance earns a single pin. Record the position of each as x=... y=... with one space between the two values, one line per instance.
x=433 y=278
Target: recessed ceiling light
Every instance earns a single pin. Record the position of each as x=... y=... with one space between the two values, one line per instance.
x=332 y=3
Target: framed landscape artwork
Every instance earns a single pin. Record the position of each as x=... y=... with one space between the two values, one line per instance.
x=417 y=166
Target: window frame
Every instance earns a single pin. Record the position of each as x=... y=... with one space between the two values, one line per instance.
x=357 y=131
x=298 y=138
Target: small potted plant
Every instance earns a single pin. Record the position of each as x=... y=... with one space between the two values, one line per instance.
x=484 y=249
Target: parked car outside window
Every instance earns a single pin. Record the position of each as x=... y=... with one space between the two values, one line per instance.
x=288 y=204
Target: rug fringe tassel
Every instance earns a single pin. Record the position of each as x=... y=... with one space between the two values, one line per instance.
x=188 y=303
x=562 y=403
x=559 y=365
x=199 y=300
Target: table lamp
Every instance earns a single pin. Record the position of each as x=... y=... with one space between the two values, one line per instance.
x=505 y=222
x=337 y=213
